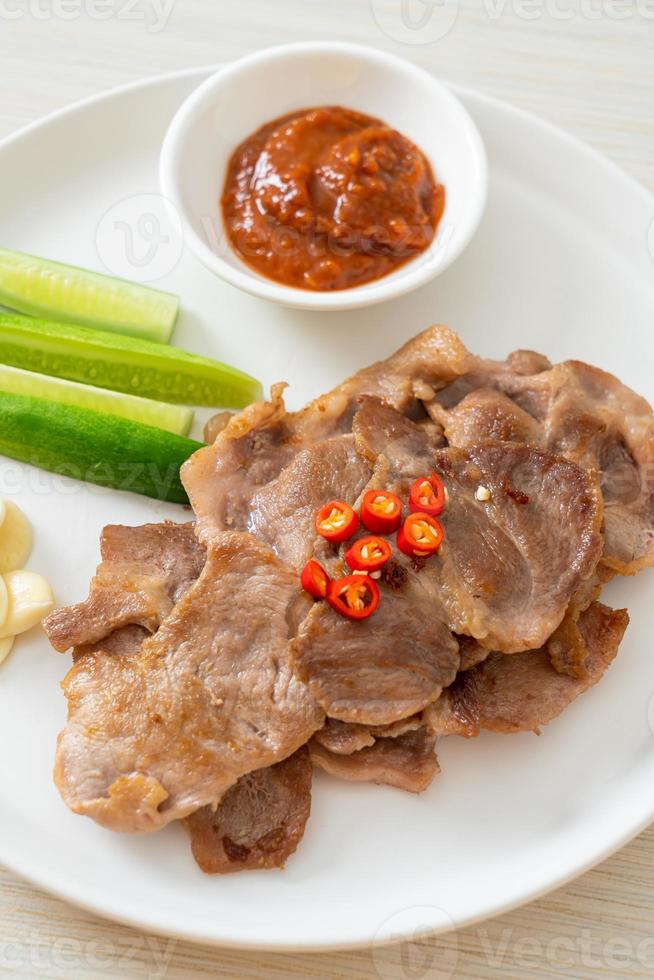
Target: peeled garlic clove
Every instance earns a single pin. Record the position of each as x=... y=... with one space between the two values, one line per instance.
x=30 y=599
x=5 y=647
x=15 y=538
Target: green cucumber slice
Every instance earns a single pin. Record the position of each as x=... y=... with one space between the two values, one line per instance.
x=137 y=367
x=173 y=418
x=66 y=293
x=91 y=446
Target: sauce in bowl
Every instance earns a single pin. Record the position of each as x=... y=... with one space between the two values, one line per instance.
x=329 y=198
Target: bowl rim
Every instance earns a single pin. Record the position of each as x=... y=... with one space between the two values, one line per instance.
x=406 y=278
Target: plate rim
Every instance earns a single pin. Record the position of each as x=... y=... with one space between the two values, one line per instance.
x=56 y=886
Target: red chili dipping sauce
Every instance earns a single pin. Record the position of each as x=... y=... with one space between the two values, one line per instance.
x=328 y=199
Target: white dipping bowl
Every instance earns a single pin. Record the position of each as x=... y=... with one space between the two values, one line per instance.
x=241 y=97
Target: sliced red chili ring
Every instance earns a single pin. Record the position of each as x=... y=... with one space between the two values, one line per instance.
x=427 y=496
x=420 y=535
x=381 y=511
x=368 y=554
x=315 y=579
x=438 y=487
x=354 y=596
x=336 y=521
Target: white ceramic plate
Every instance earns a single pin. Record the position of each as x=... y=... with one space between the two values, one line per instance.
x=561 y=264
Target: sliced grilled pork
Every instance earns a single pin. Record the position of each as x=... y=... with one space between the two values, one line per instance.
x=408 y=446
x=155 y=736
x=123 y=642
x=144 y=571
x=485 y=373
x=382 y=669
x=202 y=720
x=521 y=693
x=599 y=422
x=505 y=575
x=571 y=409
x=510 y=564
x=425 y=364
x=249 y=452
x=487 y=415
x=471 y=652
x=566 y=646
x=343 y=738
x=574 y=410
x=258 y=823
x=407 y=762
x=398 y=661
x=283 y=512
x=258 y=443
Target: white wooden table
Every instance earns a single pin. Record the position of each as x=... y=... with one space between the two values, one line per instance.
x=587 y=65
